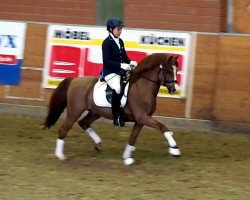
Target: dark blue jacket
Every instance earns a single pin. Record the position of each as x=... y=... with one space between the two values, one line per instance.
x=113 y=56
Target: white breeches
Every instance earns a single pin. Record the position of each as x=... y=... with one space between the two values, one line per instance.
x=113 y=80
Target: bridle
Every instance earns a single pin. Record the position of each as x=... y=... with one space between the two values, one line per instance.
x=164 y=73
x=164 y=76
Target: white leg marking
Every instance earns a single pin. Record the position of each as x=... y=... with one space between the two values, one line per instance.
x=127 y=155
x=171 y=141
x=173 y=149
x=59 y=149
x=91 y=133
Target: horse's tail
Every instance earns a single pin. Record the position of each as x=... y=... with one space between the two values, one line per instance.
x=58 y=103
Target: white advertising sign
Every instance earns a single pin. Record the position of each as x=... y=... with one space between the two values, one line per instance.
x=76 y=51
x=12 y=41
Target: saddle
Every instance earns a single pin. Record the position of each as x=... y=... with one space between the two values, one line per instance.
x=102 y=94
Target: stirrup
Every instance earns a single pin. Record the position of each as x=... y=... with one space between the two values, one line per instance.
x=119 y=121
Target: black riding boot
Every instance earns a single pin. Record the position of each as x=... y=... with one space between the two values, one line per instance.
x=116 y=111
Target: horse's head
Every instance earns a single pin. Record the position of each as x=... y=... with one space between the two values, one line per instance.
x=169 y=71
x=166 y=74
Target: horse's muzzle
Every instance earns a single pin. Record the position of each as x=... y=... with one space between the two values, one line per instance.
x=172 y=88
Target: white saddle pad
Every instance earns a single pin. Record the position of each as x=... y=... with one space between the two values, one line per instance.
x=99 y=95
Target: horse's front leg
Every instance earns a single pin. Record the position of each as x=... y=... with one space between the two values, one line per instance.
x=127 y=154
x=151 y=122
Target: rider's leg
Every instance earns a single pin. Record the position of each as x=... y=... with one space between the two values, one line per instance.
x=118 y=120
x=113 y=81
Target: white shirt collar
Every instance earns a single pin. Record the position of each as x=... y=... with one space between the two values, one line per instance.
x=116 y=40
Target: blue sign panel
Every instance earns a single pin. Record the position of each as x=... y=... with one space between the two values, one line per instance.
x=10 y=74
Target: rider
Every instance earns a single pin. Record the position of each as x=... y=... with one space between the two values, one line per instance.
x=115 y=60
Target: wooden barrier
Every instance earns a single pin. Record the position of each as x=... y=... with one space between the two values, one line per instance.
x=35 y=45
x=204 y=76
x=232 y=92
x=241 y=16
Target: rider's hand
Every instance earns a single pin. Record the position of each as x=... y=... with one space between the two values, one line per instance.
x=133 y=63
x=125 y=66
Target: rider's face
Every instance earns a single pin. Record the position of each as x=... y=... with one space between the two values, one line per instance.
x=117 y=31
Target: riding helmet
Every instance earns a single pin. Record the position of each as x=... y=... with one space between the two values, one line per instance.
x=114 y=22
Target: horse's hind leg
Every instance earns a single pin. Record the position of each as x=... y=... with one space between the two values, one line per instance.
x=63 y=131
x=85 y=123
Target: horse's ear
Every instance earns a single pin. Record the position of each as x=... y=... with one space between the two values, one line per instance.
x=170 y=58
x=176 y=57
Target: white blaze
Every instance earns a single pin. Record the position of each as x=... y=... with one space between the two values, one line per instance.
x=175 y=78
x=175 y=71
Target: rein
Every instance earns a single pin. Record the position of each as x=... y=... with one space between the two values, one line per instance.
x=158 y=81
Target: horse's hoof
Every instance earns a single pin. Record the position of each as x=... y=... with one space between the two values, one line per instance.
x=60 y=156
x=98 y=146
x=128 y=161
x=174 y=151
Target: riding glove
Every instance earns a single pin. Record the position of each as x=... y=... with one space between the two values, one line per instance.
x=133 y=63
x=125 y=66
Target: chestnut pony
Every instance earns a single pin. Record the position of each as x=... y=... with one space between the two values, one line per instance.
x=76 y=94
